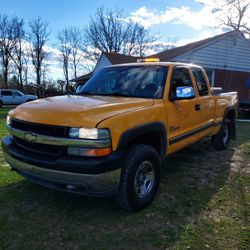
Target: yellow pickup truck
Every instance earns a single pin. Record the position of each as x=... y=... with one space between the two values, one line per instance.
x=111 y=138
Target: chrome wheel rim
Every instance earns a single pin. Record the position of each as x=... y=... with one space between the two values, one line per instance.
x=225 y=134
x=144 y=179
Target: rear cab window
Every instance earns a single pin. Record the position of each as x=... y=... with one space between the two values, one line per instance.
x=6 y=93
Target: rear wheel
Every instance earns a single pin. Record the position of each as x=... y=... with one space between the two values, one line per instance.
x=1 y=104
x=140 y=178
x=221 y=139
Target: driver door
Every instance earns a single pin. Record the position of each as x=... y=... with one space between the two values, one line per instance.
x=182 y=114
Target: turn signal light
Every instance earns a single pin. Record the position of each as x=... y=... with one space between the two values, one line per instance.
x=93 y=152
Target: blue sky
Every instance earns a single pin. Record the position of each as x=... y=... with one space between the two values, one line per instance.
x=180 y=22
x=60 y=14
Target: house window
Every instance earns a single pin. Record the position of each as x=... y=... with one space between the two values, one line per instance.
x=210 y=75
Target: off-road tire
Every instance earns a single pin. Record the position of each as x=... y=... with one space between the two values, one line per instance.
x=221 y=139
x=1 y=104
x=127 y=196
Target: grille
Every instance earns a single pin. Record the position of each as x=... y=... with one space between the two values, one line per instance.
x=41 y=148
x=49 y=130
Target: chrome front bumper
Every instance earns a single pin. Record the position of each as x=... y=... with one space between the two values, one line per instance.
x=104 y=184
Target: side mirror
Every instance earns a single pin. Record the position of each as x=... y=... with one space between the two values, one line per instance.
x=184 y=93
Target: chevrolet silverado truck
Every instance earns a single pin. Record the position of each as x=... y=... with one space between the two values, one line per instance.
x=110 y=139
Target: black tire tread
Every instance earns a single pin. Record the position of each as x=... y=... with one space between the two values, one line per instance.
x=133 y=152
x=217 y=139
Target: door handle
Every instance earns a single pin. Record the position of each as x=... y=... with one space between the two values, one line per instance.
x=197 y=107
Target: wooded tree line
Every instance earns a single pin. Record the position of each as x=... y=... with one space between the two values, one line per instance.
x=19 y=48
x=24 y=45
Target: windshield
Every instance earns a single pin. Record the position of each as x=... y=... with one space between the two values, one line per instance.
x=133 y=81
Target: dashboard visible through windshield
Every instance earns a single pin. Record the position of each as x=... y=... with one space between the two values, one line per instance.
x=131 y=81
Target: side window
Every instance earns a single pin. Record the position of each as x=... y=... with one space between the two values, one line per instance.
x=16 y=93
x=6 y=93
x=200 y=81
x=180 y=78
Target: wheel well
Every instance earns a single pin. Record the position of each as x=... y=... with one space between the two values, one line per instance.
x=153 y=139
x=231 y=115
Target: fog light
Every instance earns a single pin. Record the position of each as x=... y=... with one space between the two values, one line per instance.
x=96 y=152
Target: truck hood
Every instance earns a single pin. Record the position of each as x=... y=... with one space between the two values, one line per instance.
x=76 y=111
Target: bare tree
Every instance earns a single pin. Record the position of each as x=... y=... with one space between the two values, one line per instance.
x=26 y=67
x=110 y=31
x=6 y=46
x=19 y=55
x=38 y=38
x=138 y=41
x=236 y=14
x=76 y=41
x=61 y=84
x=66 y=51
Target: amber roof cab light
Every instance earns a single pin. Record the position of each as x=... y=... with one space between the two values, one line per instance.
x=148 y=60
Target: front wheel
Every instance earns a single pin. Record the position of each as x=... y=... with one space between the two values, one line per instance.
x=140 y=178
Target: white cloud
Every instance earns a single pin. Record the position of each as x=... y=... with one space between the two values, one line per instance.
x=209 y=15
x=182 y=15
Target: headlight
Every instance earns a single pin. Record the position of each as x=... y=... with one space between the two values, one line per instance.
x=8 y=120
x=89 y=133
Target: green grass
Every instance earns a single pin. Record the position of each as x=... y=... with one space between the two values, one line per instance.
x=203 y=203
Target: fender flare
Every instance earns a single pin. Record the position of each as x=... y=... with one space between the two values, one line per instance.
x=129 y=135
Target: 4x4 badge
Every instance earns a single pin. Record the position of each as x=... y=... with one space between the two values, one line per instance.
x=30 y=137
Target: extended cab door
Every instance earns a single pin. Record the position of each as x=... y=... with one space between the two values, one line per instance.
x=183 y=115
x=204 y=100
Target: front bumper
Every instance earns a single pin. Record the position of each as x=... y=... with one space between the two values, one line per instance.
x=91 y=177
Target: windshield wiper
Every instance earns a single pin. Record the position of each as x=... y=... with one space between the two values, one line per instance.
x=121 y=94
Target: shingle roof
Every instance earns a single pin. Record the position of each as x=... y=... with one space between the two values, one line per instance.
x=167 y=55
x=119 y=58
x=82 y=78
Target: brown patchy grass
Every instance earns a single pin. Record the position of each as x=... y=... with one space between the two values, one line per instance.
x=203 y=203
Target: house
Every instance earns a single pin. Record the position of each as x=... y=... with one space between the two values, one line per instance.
x=106 y=59
x=225 y=57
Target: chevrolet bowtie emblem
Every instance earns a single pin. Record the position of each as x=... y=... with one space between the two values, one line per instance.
x=30 y=137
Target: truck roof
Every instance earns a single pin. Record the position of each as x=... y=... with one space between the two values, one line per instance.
x=155 y=64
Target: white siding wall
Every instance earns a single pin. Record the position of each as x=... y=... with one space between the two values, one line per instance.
x=103 y=62
x=230 y=53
